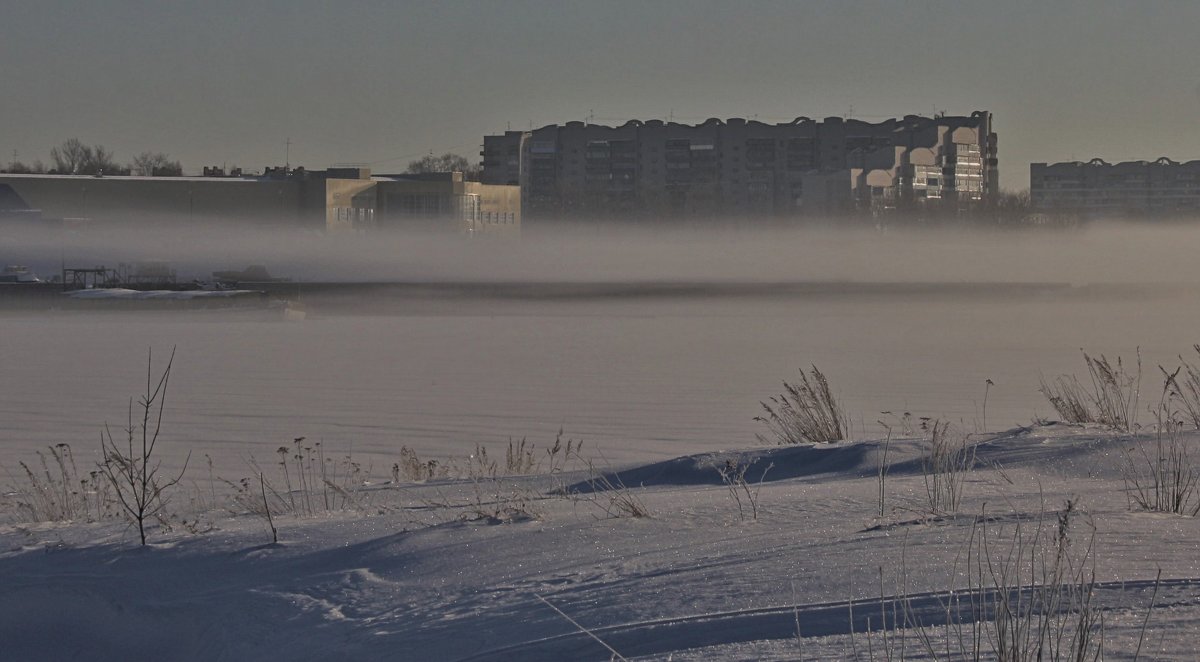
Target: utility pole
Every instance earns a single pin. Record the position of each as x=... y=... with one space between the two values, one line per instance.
x=287 y=156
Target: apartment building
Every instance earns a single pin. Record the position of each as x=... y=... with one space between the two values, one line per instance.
x=1131 y=188
x=739 y=167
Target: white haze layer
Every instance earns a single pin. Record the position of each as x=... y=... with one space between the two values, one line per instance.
x=600 y=252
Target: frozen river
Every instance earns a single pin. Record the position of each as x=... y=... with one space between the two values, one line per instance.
x=637 y=377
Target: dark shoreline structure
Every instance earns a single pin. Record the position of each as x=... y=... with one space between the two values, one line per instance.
x=401 y=298
x=739 y=168
x=52 y=296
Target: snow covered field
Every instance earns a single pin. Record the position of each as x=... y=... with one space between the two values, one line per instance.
x=464 y=564
x=462 y=569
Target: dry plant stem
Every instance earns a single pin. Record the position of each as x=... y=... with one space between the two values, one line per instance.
x=1149 y=610
x=56 y=492
x=618 y=500
x=733 y=474
x=1165 y=481
x=945 y=467
x=987 y=385
x=132 y=471
x=1029 y=597
x=883 y=467
x=806 y=412
x=1188 y=389
x=581 y=628
x=262 y=484
x=796 y=618
x=1111 y=401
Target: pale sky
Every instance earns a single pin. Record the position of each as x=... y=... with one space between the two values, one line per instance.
x=383 y=83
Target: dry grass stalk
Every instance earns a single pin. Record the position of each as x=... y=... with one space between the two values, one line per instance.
x=1187 y=389
x=806 y=412
x=411 y=468
x=1163 y=478
x=55 y=491
x=1112 y=399
x=1029 y=596
x=945 y=466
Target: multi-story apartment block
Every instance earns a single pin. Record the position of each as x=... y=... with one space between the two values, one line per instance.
x=1096 y=188
x=739 y=167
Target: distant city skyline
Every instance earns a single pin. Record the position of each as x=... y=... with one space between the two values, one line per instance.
x=381 y=84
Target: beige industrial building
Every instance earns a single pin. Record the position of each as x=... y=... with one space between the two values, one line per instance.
x=737 y=167
x=355 y=200
x=338 y=199
x=1131 y=188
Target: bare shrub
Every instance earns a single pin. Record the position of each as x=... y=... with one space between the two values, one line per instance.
x=131 y=469
x=1111 y=400
x=947 y=461
x=733 y=475
x=806 y=412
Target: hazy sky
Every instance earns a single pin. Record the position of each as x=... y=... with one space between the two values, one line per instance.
x=384 y=82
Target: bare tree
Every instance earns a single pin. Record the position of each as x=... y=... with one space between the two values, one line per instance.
x=132 y=471
x=155 y=164
x=75 y=158
x=447 y=162
x=70 y=156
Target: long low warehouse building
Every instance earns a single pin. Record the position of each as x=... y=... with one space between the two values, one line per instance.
x=340 y=199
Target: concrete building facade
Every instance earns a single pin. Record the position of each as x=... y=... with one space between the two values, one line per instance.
x=425 y=202
x=1131 y=188
x=746 y=168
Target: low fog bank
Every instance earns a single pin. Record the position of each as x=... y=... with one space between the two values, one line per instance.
x=611 y=253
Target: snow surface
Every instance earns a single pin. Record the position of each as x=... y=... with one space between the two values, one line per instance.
x=416 y=571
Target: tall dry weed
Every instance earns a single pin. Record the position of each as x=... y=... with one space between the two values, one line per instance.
x=806 y=412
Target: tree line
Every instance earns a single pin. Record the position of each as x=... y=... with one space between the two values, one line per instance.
x=74 y=157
